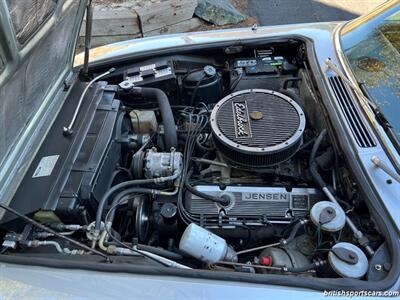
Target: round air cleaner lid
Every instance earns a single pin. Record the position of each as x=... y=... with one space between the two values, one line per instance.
x=258 y=122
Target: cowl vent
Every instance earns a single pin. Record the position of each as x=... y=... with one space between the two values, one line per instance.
x=351 y=112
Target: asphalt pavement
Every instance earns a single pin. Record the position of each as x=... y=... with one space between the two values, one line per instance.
x=278 y=12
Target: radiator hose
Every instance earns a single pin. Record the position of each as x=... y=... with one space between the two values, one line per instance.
x=124 y=185
x=170 y=135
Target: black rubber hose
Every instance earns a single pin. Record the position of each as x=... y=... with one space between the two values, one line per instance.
x=294 y=231
x=191 y=189
x=122 y=194
x=235 y=83
x=257 y=233
x=291 y=79
x=160 y=251
x=202 y=147
x=110 y=219
x=305 y=268
x=103 y=201
x=170 y=135
x=194 y=93
x=313 y=164
x=306 y=144
x=292 y=95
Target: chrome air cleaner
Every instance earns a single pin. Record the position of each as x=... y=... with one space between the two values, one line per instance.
x=257 y=128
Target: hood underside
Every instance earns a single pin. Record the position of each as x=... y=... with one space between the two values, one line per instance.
x=39 y=44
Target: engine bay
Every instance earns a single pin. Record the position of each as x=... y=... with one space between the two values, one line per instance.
x=221 y=160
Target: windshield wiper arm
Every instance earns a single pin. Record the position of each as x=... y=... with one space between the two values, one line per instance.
x=382 y=119
x=363 y=94
x=379 y=114
x=365 y=101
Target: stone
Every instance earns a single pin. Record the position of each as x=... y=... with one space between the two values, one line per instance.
x=218 y=12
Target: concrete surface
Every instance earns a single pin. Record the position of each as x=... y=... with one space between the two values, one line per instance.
x=277 y=12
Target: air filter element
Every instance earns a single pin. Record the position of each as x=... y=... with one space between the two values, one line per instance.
x=257 y=128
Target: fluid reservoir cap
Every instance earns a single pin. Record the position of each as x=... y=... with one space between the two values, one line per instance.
x=210 y=71
x=126 y=85
x=328 y=216
x=168 y=211
x=353 y=266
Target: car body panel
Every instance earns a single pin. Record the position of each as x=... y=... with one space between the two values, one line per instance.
x=19 y=282
x=127 y=48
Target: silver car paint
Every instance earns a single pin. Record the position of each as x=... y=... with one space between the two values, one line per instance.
x=19 y=282
x=34 y=282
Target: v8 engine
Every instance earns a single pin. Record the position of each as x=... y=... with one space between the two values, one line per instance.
x=219 y=162
x=254 y=205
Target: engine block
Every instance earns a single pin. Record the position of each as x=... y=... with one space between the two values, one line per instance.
x=252 y=205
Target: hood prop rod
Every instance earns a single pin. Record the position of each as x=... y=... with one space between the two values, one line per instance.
x=88 y=37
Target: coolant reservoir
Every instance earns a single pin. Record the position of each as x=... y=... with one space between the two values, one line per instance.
x=143 y=121
x=205 y=245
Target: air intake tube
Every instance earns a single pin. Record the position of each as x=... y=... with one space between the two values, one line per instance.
x=170 y=136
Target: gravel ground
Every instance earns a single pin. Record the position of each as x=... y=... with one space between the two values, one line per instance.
x=278 y=12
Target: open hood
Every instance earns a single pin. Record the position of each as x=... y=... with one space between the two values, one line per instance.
x=38 y=40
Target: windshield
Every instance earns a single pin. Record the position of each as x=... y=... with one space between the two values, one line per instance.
x=372 y=47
